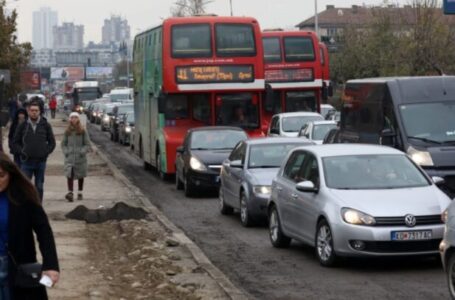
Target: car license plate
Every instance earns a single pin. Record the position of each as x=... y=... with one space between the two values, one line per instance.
x=412 y=235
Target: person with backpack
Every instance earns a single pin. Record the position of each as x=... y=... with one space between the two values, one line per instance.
x=34 y=141
x=75 y=145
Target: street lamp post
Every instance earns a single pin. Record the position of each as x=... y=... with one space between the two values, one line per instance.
x=230 y=4
x=316 y=21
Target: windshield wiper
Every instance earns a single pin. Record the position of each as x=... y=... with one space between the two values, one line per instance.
x=425 y=140
x=263 y=167
x=200 y=149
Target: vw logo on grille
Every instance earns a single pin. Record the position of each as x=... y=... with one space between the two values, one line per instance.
x=410 y=220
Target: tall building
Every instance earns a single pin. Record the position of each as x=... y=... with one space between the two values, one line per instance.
x=69 y=36
x=44 y=21
x=116 y=30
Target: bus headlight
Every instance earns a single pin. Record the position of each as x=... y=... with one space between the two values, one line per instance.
x=422 y=158
x=195 y=164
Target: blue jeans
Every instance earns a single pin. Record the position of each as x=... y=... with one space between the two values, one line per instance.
x=37 y=170
x=4 y=285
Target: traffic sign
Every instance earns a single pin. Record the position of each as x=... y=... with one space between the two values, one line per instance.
x=449 y=7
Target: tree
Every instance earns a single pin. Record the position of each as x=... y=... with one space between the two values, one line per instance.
x=184 y=8
x=14 y=56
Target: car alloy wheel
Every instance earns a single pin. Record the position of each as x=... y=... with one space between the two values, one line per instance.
x=451 y=275
x=244 y=213
x=324 y=244
x=277 y=237
x=224 y=208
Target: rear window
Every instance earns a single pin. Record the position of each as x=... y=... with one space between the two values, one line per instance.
x=272 y=50
x=299 y=49
x=191 y=40
x=235 y=39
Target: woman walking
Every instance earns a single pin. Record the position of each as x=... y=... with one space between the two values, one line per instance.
x=75 y=146
x=21 y=214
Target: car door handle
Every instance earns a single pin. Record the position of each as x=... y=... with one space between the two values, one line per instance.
x=294 y=196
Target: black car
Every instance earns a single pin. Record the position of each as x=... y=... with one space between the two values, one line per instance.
x=199 y=160
x=126 y=128
x=118 y=113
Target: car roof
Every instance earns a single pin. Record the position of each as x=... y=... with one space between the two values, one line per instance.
x=207 y=128
x=326 y=105
x=298 y=114
x=278 y=140
x=328 y=150
x=323 y=122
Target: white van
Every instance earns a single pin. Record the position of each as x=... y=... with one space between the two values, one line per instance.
x=121 y=94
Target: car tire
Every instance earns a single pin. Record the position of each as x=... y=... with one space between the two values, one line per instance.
x=324 y=249
x=224 y=208
x=450 y=273
x=245 y=216
x=178 y=182
x=277 y=237
x=188 y=187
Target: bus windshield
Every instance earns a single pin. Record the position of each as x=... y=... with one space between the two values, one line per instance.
x=272 y=50
x=298 y=49
x=235 y=39
x=237 y=110
x=191 y=40
x=300 y=101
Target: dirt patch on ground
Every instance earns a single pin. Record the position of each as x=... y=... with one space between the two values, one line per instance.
x=138 y=260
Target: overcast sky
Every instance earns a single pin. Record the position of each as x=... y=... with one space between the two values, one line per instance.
x=142 y=14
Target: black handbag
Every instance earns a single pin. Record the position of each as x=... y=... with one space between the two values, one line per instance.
x=28 y=275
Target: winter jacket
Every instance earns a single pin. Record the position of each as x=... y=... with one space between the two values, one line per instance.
x=75 y=148
x=34 y=146
x=12 y=129
x=53 y=103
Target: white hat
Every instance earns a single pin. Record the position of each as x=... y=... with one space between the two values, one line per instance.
x=74 y=114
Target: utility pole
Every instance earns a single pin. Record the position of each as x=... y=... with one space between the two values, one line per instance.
x=232 y=12
x=316 y=21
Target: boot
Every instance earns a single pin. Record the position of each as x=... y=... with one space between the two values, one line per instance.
x=79 y=196
x=69 y=196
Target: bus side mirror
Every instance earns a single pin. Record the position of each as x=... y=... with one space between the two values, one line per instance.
x=387 y=137
x=161 y=103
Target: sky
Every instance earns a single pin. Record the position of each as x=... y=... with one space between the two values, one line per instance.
x=142 y=14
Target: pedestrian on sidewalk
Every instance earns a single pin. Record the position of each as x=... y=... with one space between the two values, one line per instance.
x=75 y=145
x=53 y=106
x=21 y=117
x=21 y=214
x=34 y=141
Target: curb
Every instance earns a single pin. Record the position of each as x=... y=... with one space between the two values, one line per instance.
x=220 y=278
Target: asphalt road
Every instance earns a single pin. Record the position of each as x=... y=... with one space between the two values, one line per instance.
x=248 y=259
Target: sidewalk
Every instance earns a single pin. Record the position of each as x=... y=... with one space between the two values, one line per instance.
x=117 y=260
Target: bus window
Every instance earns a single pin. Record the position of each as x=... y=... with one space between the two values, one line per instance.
x=234 y=40
x=298 y=49
x=272 y=50
x=273 y=104
x=300 y=101
x=191 y=40
x=237 y=110
x=201 y=108
x=176 y=107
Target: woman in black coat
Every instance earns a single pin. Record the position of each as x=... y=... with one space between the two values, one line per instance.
x=25 y=215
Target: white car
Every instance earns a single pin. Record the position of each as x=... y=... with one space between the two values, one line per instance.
x=325 y=108
x=356 y=200
x=317 y=130
x=289 y=124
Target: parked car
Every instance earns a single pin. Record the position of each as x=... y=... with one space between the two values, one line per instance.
x=326 y=108
x=317 y=130
x=413 y=114
x=198 y=161
x=447 y=247
x=246 y=176
x=126 y=128
x=289 y=124
x=106 y=114
x=119 y=111
x=356 y=200
x=332 y=137
x=333 y=115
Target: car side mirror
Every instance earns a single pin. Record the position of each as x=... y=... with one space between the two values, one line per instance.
x=236 y=164
x=387 y=137
x=180 y=150
x=438 y=180
x=306 y=186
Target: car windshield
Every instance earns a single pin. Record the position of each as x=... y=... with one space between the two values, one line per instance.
x=320 y=131
x=437 y=126
x=119 y=97
x=372 y=172
x=122 y=109
x=294 y=124
x=269 y=155
x=216 y=139
x=130 y=118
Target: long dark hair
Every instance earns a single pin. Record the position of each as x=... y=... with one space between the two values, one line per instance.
x=20 y=189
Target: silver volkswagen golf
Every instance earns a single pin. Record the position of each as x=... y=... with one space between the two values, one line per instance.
x=355 y=200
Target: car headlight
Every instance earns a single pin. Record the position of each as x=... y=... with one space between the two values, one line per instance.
x=94 y=114
x=263 y=190
x=106 y=119
x=128 y=129
x=422 y=158
x=355 y=217
x=195 y=164
x=445 y=216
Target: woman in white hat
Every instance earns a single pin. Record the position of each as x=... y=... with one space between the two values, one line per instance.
x=75 y=145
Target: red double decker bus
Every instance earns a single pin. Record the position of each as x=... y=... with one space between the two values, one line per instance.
x=296 y=72
x=195 y=71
